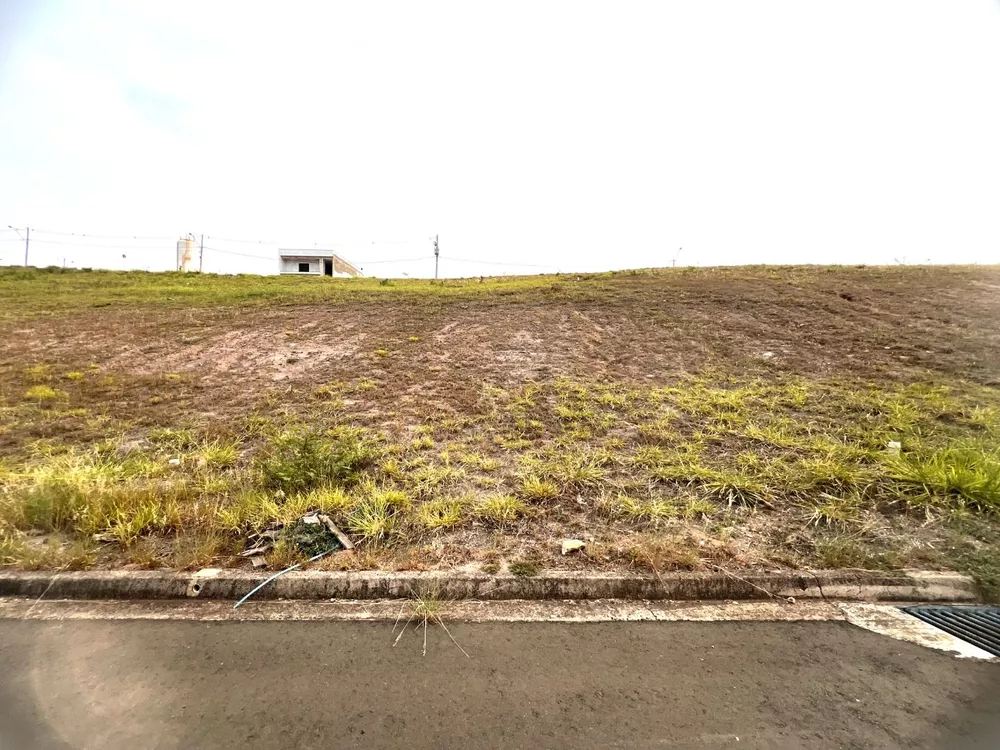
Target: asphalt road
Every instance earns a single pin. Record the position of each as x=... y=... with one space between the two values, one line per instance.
x=186 y=685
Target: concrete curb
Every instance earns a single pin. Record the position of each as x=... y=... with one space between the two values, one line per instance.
x=212 y=583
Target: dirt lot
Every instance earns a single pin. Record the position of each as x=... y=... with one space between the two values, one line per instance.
x=745 y=417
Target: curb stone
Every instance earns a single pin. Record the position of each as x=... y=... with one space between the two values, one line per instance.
x=215 y=583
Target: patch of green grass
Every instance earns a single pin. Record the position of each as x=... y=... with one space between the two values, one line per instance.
x=422 y=443
x=146 y=554
x=682 y=469
x=735 y=489
x=426 y=479
x=489 y=465
x=38 y=374
x=578 y=471
x=654 y=512
x=968 y=474
x=501 y=510
x=848 y=552
x=246 y=511
x=334 y=501
x=196 y=550
x=441 y=513
x=378 y=513
x=392 y=469
x=174 y=438
x=832 y=509
x=648 y=456
x=827 y=473
x=284 y=554
x=536 y=489
x=219 y=454
x=986 y=418
x=613 y=400
x=698 y=507
x=574 y=413
x=512 y=442
x=44 y=394
x=777 y=434
x=19 y=552
x=74 y=375
x=301 y=460
x=524 y=568
x=984 y=566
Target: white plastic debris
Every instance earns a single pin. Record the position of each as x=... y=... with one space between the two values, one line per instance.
x=572 y=545
x=894 y=447
x=174 y=462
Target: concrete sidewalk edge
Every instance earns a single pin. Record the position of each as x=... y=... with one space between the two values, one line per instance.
x=213 y=583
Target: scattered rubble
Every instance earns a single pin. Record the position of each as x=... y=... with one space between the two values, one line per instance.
x=311 y=534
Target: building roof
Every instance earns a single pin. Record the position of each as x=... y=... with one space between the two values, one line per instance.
x=309 y=253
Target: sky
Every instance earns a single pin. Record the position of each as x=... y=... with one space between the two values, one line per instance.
x=529 y=136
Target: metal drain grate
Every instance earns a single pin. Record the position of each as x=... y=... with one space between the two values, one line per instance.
x=979 y=626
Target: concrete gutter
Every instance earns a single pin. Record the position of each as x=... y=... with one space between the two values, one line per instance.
x=213 y=583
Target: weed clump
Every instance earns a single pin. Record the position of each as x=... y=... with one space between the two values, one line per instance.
x=378 y=513
x=536 y=489
x=501 y=510
x=299 y=461
x=957 y=475
x=442 y=513
x=44 y=394
x=524 y=568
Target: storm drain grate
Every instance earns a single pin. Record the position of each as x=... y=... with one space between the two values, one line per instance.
x=979 y=626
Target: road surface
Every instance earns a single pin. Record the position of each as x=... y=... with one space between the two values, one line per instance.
x=302 y=685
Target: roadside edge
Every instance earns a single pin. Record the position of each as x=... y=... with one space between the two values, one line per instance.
x=223 y=584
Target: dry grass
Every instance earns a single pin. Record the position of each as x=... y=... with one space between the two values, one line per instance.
x=425 y=609
x=749 y=408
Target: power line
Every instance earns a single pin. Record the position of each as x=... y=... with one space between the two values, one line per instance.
x=100 y=246
x=399 y=260
x=251 y=242
x=102 y=236
x=496 y=263
x=318 y=245
x=244 y=255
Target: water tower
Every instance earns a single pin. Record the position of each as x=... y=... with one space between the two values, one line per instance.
x=185 y=253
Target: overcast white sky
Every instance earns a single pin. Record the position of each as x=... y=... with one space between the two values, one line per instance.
x=566 y=135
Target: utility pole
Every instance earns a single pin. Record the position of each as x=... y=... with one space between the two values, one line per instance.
x=436 y=253
x=201 y=252
x=27 y=237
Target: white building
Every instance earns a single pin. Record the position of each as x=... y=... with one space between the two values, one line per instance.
x=314 y=263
